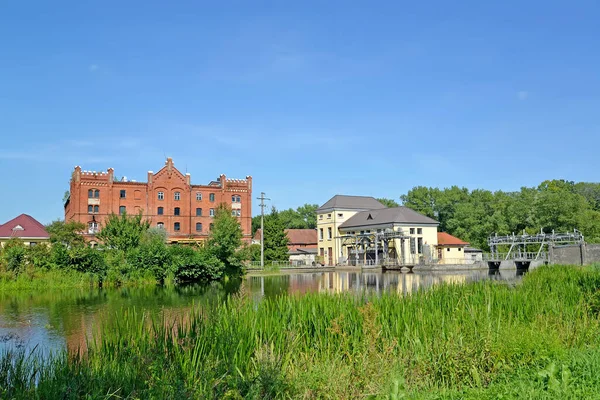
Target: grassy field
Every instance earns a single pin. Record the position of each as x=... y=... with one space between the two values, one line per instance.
x=539 y=338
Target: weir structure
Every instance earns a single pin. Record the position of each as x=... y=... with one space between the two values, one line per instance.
x=525 y=248
x=387 y=247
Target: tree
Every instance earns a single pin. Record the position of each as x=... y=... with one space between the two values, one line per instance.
x=66 y=233
x=390 y=203
x=225 y=240
x=152 y=254
x=123 y=232
x=276 y=239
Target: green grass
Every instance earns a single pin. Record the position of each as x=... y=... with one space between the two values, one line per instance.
x=536 y=339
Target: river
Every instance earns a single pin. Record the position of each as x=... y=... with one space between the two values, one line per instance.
x=54 y=319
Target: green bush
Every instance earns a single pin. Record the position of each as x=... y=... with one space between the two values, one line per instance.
x=195 y=264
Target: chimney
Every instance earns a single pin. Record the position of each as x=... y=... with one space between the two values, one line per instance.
x=188 y=179
x=169 y=164
x=223 y=180
x=150 y=174
x=111 y=175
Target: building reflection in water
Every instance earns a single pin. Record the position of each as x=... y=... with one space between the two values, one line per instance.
x=358 y=282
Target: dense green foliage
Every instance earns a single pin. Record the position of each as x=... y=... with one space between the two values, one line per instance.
x=303 y=217
x=131 y=253
x=474 y=215
x=276 y=239
x=390 y=203
x=538 y=339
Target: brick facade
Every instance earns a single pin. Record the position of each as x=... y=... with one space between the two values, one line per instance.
x=96 y=195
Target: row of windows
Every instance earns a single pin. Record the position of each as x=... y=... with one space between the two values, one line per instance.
x=340 y=215
x=95 y=194
x=177 y=226
x=329 y=234
x=159 y=211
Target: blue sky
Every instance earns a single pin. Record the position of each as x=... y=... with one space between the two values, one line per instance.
x=310 y=98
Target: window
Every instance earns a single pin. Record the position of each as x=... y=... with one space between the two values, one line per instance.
x=412 y=231
x=211 y=197
x=122 y=210
x=93 y=194
x=90 y=209
x=96 y=209
x=198 y=196
x=177 y=196
x=329 y=233
x=321 y=216
x=236 y=199
x=413 y=249
x=340 y=215
x=448 y=249
x=176 y=226
x=96 y=194
x=198 y=226
x=211 y=212
x=321 y=234
x=233 y=199
x=92 y=227
x=176 y=211
x=328 y=216
x=459 y=249
x=160 y=211
x=236 y=213
x=122 y=193
x=420 y=245
x=211 y=226
x=419 y=231
x=198 y=212
x=90 y=193
x=161 y=195
x=160 y=225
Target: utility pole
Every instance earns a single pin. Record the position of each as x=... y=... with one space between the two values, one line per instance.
x=262 y=199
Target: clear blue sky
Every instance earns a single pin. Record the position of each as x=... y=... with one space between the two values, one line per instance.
x=310 y=98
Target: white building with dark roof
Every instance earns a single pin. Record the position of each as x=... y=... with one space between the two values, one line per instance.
x=350 y=230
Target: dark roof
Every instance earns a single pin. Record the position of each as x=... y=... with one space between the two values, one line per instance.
x=23 y=226
x=351 y=203
x=449 y=240
x=399 y=215
x=473 y=250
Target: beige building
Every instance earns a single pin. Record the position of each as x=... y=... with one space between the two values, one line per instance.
x=450 y=249
x=25 y=228
x=354 y=230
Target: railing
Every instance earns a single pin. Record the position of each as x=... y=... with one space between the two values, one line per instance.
x=277 y=265
x=516 y=256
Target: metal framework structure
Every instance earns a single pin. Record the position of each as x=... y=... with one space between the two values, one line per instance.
x=518 y=244
x=384 y=240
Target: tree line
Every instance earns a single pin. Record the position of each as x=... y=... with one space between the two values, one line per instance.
x=131 y=251
x=474 y=215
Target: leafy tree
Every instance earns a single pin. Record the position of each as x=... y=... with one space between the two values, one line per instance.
x=123 y=232
x=40 y=256
x=226 y=239
x=275 y=238
x=152 y=254
x=196 y=264
x=390 y=203
x=66 y=233
x=14 y=256
x=304 y=217
x=87 y=260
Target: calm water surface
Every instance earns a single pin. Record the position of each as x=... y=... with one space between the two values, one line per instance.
x=55 y=319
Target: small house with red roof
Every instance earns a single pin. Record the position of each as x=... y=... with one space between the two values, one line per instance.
x=302 y=244
x=25 y=228
x=450 y=249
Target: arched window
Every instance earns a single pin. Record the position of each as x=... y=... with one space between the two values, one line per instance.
x=211 y=197
x=90 y=209
x=176 y=226
x=198 y=212
x=198 y=226
x=160 y=225
x=96 y=194
x=96 y=209
x=176 y=211
x=233 y=199
x=90 y=193
x=238 y=199
x=160 y=211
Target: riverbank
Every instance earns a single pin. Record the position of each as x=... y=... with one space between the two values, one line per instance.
x=539 y=338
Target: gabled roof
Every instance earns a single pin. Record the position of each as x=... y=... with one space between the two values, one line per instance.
x=344 y=202
x=297 y=236
x=23 y=226
x=396 y=215
x=449 y=240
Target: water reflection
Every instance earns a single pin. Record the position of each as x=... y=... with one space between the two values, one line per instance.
x=56 y=319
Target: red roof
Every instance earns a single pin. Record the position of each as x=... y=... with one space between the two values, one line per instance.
x=23 y=226
x=303 y=238
x=449 y=240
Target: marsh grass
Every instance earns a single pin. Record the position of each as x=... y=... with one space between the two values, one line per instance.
x=538 y=339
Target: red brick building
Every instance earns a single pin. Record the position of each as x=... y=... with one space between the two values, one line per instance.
x=168 y=199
